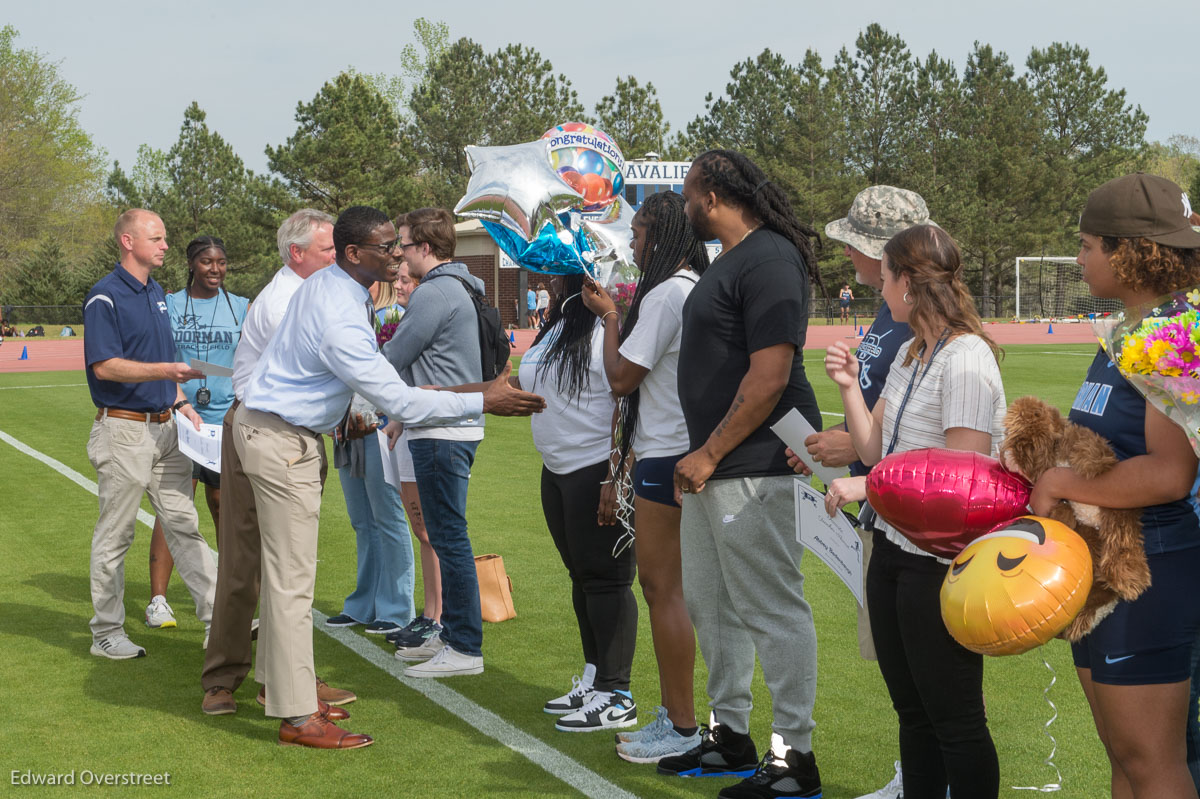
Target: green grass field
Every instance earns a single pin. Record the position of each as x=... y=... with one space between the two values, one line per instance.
x=67 y=710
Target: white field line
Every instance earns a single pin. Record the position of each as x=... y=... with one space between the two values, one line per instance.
x=554 y=762
x=56 y=385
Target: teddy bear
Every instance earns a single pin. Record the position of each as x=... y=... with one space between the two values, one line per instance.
x=1038 y=438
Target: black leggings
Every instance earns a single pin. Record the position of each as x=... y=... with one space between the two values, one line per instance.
x=601 y=585
x=935 y=684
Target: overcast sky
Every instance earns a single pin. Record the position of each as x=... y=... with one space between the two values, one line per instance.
x=139 y=64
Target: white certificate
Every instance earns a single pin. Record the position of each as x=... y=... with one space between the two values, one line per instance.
x=391 y=474
x=793 y=428
x=831 y=539
x=203 y=445
x=211 y=369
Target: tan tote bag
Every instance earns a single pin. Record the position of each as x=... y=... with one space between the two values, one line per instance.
x=495 y=589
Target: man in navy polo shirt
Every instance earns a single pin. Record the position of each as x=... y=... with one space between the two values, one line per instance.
x=133 y=446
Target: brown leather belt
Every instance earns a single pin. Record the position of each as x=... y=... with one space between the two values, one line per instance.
x=133 y=416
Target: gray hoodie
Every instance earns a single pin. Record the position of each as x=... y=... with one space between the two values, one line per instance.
x=437 y=341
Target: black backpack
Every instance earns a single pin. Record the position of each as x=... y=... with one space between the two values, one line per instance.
x=493 y=343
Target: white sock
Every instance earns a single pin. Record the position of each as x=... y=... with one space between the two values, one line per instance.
x=778 y=748
x=157 y=597
x=589 y=675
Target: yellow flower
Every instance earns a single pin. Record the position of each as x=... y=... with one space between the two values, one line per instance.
x=1190 y=397
x=1193 y=297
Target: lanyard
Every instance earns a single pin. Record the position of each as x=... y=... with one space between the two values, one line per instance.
x=913 y=382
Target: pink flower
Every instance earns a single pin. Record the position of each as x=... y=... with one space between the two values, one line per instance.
x=385 y=332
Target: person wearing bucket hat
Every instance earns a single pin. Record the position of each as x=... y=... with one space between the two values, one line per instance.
x=877 y=214
x=1137 y=243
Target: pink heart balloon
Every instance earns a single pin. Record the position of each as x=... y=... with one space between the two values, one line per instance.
x=943 y=499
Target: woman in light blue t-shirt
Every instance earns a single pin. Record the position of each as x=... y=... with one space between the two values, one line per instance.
x=206 y=322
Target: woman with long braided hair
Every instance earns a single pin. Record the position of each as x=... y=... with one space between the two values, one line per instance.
x=574 y=437
x=641 y=360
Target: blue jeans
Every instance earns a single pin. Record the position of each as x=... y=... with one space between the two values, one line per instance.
x=443 y=471
x=384 y=591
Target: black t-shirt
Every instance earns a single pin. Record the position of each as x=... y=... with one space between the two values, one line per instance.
x=752 y=297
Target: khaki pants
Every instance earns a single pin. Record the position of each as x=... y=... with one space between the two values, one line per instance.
x=227 y=660
x=284 y=464
x=132 y=458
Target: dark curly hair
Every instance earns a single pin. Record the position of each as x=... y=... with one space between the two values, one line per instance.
x=1145 y=265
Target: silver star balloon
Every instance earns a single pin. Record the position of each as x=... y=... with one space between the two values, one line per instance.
x=515 y=186
x=611 y=237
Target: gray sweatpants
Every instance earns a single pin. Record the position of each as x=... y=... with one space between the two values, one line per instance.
x=745 y=593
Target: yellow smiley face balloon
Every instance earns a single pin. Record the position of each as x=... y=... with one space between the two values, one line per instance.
x=1016 y=587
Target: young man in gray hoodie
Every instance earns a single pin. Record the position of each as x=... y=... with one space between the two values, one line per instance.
x=437 y=343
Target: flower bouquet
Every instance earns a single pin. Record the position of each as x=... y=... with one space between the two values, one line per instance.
x=385 y=329
x=1157 y=348
x=623 y=297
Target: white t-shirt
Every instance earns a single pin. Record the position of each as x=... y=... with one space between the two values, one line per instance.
x=543 y=299
x=962 y=388
x=572 y=432
x=654 y=345
x=265 y=314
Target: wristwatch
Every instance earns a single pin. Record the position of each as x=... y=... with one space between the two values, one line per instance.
x=180 y=404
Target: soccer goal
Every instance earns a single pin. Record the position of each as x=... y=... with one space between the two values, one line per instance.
x=1051 y=288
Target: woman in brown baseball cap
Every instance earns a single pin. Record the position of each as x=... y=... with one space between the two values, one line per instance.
x=1136 y=244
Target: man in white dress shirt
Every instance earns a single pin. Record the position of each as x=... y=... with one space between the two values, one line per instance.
x=324 y=351
x=305 y=241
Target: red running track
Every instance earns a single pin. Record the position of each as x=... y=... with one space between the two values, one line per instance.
x=54 y=355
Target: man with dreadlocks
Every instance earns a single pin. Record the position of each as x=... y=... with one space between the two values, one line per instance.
x=641 y=360
x=740 y=370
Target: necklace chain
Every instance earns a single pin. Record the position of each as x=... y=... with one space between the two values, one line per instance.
x=743 y=238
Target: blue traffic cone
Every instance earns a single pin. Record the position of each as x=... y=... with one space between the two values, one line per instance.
x=860 y=331
x=1050 y=329
x=512 y=338
x=24 y=354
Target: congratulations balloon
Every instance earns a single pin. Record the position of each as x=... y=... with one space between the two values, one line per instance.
x=515 y=187
x=942 y=499
x=588 y=161
x=1017 y=587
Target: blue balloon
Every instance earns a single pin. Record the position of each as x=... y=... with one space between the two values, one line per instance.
x=590 y=161
x=548 y=253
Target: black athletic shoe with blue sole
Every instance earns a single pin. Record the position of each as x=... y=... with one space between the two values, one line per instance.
x=794 y=776
x=721 y=753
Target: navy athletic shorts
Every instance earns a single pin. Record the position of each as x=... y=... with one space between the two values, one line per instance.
x=654 y=479
x=206 y=475
x=1149 y=641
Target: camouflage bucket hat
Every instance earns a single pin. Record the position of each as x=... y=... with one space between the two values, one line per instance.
x=877 y=214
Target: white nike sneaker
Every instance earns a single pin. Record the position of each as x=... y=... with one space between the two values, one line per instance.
x=604 y=711
x=890 y=791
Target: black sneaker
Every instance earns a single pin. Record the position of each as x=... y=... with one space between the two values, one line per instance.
x=794 y=777
x=721 y=753
x=415 y=633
